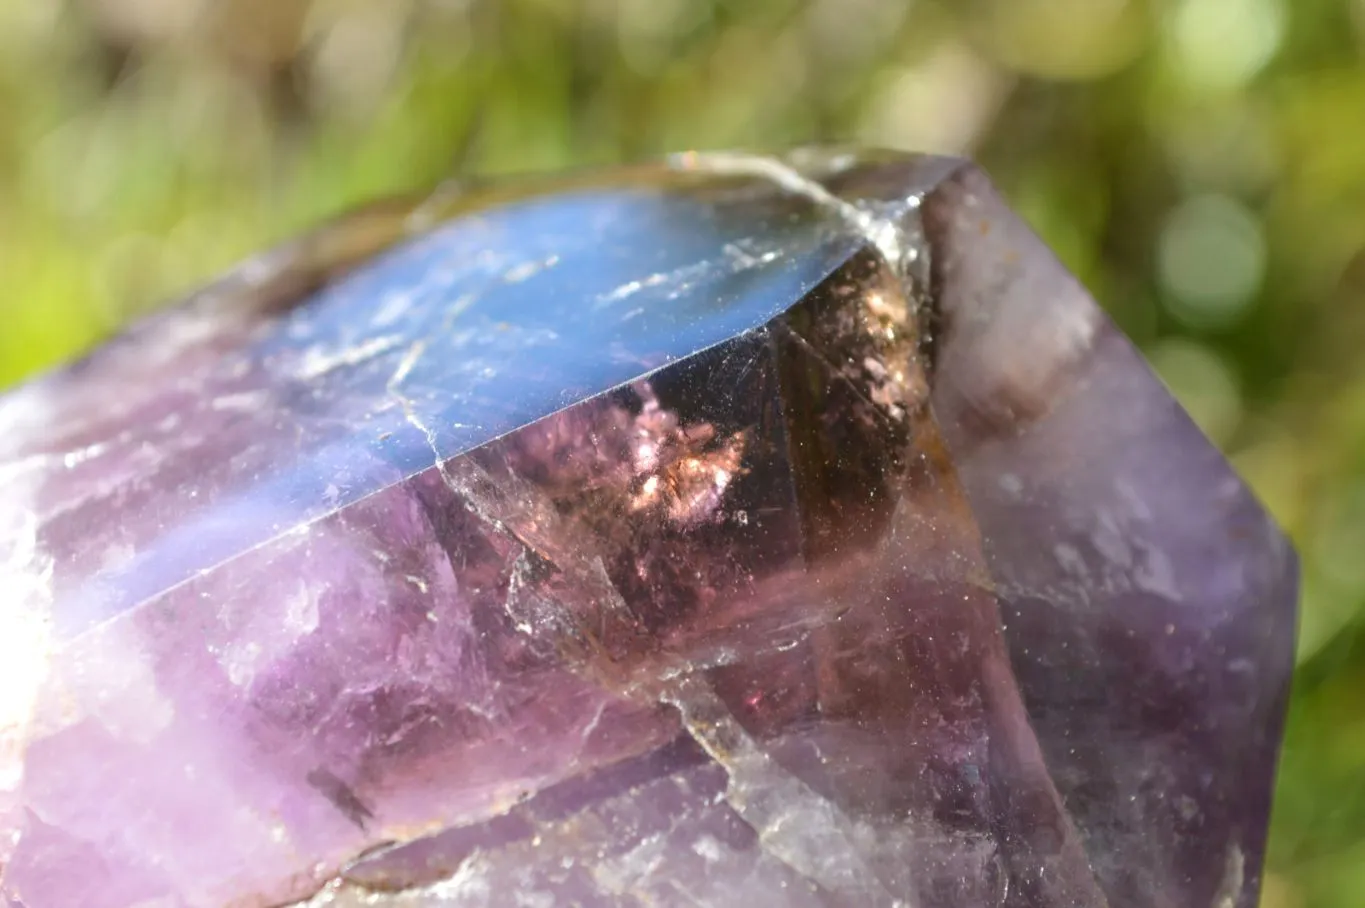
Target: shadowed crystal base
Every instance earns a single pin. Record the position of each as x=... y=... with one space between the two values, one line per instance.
x=739 y=531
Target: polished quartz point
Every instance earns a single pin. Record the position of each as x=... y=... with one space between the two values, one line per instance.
x=736 y=531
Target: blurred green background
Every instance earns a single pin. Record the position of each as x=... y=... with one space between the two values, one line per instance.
x=1200 y=163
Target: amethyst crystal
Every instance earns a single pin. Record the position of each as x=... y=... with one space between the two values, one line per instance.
x=738 y=531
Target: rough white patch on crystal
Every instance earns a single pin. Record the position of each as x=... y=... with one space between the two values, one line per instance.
x=708 y=849
x=241 y=662
x=295 y=616
x=242 y=402
x=25 y=633
x=469 y=885
x=1154 y=573
x=1070 y=561
x=1110 y=540
x=25 y=601
x=117 y=557
x=301 y=611
x=1234 y=878
x=1136 y=505
x=108 y=676
x=629 y=870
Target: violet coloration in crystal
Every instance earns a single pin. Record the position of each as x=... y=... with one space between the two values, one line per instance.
x=737 y=530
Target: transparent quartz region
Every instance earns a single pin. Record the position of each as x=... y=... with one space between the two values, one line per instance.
x=705 y=605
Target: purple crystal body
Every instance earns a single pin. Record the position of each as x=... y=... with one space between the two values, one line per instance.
x=727 y=532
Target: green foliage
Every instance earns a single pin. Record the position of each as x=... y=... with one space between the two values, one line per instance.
x=1200 y=163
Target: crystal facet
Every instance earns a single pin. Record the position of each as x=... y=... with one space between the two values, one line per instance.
x=736 y=530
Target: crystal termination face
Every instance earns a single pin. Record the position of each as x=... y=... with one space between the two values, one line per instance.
x=734 y=531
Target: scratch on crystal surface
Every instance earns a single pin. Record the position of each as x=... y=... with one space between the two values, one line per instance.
x=835 y=372
x=680 y=279
x=883 y=233
x=684 y=278
x=405 y=367
x=631 y=288
x=527 y=270
x=318 y=362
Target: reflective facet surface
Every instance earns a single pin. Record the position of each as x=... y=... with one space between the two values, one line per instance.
x=728 y=531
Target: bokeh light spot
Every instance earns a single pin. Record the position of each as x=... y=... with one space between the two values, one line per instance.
x=942 y=105
x=1221 y=44
x=1211 y=260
